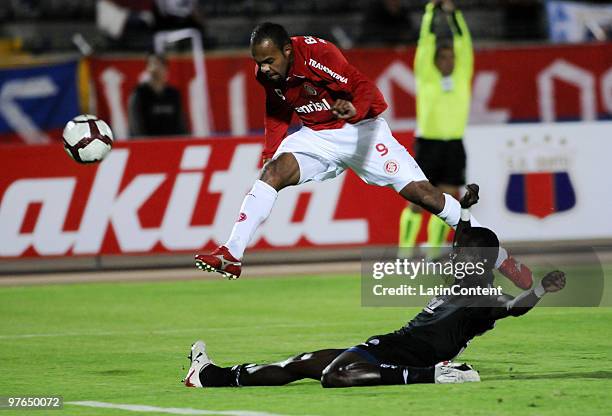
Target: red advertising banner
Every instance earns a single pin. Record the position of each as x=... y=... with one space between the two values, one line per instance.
x=174 y=196
x=519 y=84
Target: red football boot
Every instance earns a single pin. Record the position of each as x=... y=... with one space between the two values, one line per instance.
x=517 y=272
x=220 y=261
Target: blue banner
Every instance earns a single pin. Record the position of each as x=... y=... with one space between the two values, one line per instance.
x=37 y=101
x=570 y=21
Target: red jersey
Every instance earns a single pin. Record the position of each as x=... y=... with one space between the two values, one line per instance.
x=320 y=75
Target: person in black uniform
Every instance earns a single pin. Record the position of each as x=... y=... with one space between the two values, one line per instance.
x=419 y=352
x=155 y=108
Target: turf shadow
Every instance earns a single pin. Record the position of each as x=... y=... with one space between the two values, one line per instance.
x=117 y=372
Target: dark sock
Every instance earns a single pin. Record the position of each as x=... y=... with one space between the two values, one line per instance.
x=213 y=376
x=393 y=375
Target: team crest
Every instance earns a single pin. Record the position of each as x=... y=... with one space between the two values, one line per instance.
x=391 y=167
x=310 y=89
x=539 y=182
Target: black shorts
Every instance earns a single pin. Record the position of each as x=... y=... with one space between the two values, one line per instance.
x=442 y=161
x=396 y=349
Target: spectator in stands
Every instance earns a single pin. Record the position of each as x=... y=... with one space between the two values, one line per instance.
x=155 y=107
x=443 y=68
x=386 y=22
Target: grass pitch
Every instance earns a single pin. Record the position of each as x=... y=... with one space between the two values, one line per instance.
x=127 y=344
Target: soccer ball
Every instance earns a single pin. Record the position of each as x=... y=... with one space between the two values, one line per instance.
x=87 y=139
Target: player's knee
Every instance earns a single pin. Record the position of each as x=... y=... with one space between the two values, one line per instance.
x=340 y=376
x=278 y=173
x=333 y=377
x=272 y=175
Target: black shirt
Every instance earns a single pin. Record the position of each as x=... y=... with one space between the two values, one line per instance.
x=156 y=114
x=448 y=323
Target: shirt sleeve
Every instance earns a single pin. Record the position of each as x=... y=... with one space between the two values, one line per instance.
x=328 y=63
x=426 y=47
x=462 y=44
x=277 y=119
x=517 y=306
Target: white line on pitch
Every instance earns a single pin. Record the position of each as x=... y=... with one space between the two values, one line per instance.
x=171 y=410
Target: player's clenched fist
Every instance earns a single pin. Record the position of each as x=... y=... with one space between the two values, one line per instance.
x=343 y=109
x=471 y=196
x=554 y=281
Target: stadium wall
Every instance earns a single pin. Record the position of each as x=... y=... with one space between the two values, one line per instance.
x=522 y=84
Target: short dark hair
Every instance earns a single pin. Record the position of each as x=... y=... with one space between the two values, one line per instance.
x=273 y=31
x=478 y=244
x=483 y=241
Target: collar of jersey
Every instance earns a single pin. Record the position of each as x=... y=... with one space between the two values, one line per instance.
x=299 y=64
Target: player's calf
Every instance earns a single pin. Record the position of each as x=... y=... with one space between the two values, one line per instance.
x=425 y=195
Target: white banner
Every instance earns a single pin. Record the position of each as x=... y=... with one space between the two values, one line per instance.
x=543 y=182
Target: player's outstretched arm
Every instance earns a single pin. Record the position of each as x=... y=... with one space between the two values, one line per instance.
x=552 y=282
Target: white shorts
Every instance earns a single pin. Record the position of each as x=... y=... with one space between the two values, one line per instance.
x=367 y=148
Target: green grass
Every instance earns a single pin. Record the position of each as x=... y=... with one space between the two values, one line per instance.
x=126 y=343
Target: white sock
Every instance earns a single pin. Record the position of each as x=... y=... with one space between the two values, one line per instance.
x=255 y=209
x=451 y=214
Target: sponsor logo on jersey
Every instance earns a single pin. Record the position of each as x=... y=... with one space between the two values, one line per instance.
x=242 y=217
x=328 y=71
x=392 y=167
x=313 y=106
x=539 y=182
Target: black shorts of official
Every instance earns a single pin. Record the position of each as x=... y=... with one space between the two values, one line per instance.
x=396 y=349
x=442 y=161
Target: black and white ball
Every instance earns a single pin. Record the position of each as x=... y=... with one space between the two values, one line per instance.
x=87 y=139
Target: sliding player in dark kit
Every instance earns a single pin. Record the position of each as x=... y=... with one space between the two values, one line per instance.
x=419 y=352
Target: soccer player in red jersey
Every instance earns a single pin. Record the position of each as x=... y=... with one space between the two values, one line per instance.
x=341 y=129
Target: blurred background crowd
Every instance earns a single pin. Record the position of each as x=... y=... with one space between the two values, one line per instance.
x=40 y=26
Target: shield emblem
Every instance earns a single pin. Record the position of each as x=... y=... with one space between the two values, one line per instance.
x=540 y=194
x=310 y=89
